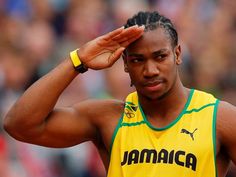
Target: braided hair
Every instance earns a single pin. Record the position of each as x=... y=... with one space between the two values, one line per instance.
x=153 y=20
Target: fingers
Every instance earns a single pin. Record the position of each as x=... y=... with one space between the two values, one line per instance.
x=120 y=37
x=126 y=38
x=128 y=32
x=130 y=40
x=115 y=56
x=114 y=33
x=121 y=33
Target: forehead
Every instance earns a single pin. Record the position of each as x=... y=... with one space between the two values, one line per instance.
x=153 y=40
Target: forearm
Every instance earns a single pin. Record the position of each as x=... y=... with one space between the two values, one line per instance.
x=33 y=107
x=32 y=116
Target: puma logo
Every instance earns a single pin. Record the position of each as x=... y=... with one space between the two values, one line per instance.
x=188 y=133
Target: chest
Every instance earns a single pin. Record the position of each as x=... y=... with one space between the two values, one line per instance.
x=169 y=143
x=186 y=144
x=184 y=147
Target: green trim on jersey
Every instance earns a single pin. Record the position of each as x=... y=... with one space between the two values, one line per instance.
x=214 y=132
x=199 y=109
x=137 y=147
x=115 y=132
x=173 y=122
x=133 y=124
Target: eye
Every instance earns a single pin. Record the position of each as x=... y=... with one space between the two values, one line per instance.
x=161 y=57
x=136 y=60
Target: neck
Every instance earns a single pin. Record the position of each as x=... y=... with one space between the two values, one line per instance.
x=169 y=105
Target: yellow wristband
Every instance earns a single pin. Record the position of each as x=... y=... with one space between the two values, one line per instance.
x=78 y=65
x=75 y=58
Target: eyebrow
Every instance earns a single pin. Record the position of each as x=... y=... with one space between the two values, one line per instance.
x=134 y=55
x=159 y=52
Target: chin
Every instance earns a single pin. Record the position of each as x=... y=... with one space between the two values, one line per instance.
x=153 y=95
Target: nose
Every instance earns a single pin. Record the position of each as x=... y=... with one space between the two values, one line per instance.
x=150 y=69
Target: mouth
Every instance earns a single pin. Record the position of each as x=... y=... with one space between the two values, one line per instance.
x=153 y=85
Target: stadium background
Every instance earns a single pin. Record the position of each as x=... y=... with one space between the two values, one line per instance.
x=35 y=35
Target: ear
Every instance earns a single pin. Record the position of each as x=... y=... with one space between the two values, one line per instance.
x=177 y=54
x=125 y=63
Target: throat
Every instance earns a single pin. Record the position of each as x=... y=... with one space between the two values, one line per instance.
x=163 y=112
x=160 y=121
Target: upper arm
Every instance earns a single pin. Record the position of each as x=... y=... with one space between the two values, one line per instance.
x=226 y=128
x=69 y=126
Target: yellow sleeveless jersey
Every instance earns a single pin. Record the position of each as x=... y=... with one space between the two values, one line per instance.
x=184 y=148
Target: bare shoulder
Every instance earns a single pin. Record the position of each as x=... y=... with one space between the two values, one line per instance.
x=226 y=128
x=99 y=109
x=226 y=107
x=104 y=115
x=226 y=119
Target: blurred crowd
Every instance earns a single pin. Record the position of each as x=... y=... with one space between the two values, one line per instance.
x=36 y=35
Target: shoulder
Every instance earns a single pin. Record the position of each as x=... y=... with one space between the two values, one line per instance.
x=226 y=113
x=100 y=105
x=96 y=108
x=225 y=108
x=104 y=115
x=226 y=123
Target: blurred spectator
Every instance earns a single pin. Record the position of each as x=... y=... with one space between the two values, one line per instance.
x=122 y=9
x=36 y=35
x=118 y=83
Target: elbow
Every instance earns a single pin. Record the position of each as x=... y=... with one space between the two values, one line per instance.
x=11 y=128
x=18 y=130
x=8 y=125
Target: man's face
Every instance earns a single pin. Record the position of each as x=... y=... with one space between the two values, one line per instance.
x=151 y=62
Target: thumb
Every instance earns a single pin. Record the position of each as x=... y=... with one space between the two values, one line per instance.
x=115 y=56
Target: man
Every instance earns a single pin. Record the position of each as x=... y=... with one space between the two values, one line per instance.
x=163 y=129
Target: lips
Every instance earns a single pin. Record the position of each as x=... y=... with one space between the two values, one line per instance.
x=153 y=85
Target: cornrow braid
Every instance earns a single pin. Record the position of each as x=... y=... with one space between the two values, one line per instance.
x=153 y=20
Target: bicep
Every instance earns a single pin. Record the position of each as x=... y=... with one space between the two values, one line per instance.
x=226 y=125
x=65 y=127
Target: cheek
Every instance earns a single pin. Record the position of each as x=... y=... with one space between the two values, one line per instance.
x=172 y=73
x=133 y=77
x=134 y=72
x=169 y=70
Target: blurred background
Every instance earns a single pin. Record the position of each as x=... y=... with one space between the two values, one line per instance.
x=36 y=35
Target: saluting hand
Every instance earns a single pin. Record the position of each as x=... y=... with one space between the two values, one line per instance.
x=105 y=50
